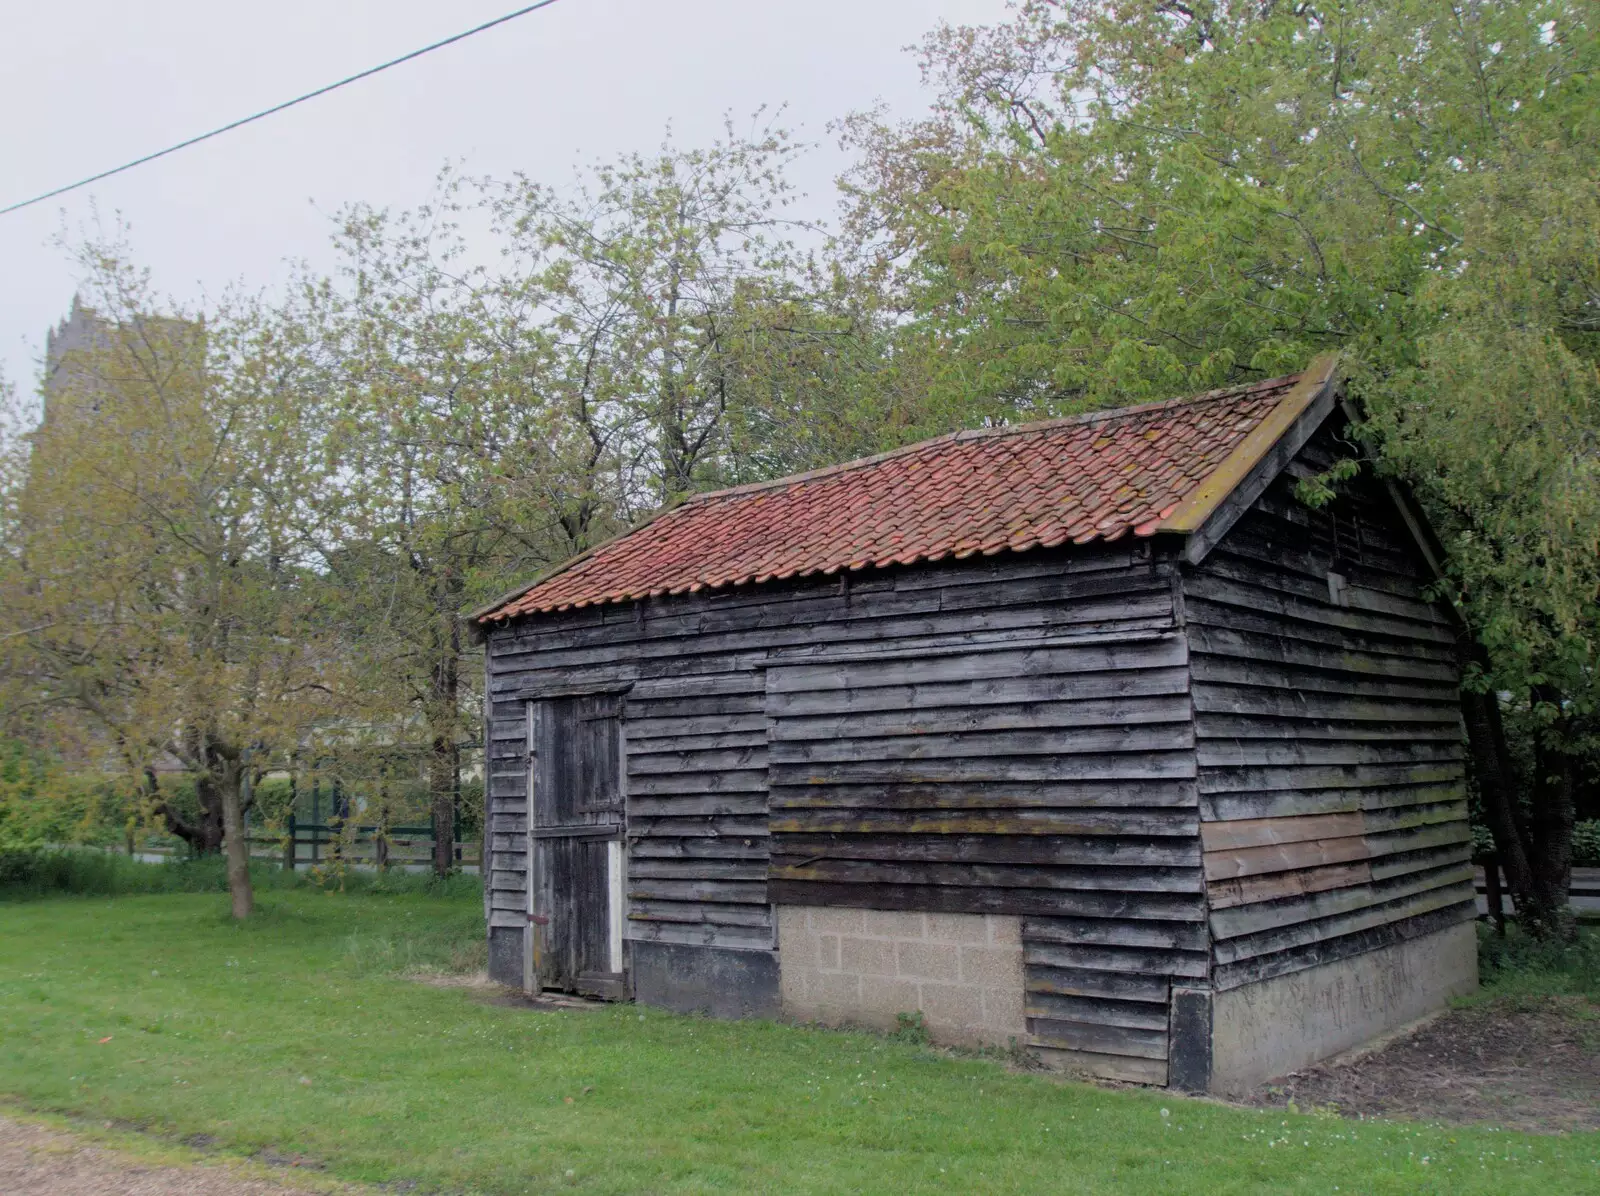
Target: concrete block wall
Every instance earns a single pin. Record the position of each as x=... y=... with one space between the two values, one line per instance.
x=1265 y=1030
x=863 y=967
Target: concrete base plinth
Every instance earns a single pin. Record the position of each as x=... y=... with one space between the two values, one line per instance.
x=1262 y=1031
x=864 y=967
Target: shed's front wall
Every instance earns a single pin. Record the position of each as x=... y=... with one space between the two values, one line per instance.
x=1005 y=737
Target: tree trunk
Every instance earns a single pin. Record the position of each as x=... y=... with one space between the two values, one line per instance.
x=1491 y=769
x=444 y=762
x=1550 y=829
x=234 y=839
x=204 y=835
x=444 y=771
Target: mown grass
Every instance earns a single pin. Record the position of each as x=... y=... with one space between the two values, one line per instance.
x=295 y=1035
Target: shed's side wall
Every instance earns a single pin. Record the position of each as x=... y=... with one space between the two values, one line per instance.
x=1328 y=735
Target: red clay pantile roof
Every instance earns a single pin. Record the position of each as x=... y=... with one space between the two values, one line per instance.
x=1094 y=477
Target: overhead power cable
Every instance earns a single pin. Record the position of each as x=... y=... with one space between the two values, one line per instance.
x=266 y=112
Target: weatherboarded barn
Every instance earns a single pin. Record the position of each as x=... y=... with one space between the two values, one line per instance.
x=1085 y=734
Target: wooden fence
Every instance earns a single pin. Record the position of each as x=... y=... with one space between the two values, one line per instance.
x=309 y=844
x=1584 y=893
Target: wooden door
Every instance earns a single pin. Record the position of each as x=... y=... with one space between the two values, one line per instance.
x=575 y=864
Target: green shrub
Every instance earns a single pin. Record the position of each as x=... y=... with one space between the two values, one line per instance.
x=1586 y=844
x=1520 y=965
x=37 y=872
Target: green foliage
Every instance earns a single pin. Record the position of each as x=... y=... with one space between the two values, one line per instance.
x=1519 y=965
x=911 y=1027
x=1586 y=844
x=1116 y=200
x=33 y=872
x=41 y=803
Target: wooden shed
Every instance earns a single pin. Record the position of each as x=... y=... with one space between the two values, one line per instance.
x=1085 y=734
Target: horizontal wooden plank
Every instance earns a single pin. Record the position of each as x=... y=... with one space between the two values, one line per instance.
x=643 y=728
x=1008 y=663
x=1249 y=727
x=752 y=780
x=1039 y=630
x=1109 y=766
x=711 y=740
x=1304 y=703
x=1114 y=959
x=701 y=934
x=752 y=827
x=1100 y=1039
x=698 y=847
x=1260 y=832
x=684 y=804
x=723 y=892
x=709 y=706
x=1225 y=894
x=1097 y=983
x=1261 y=753
x=694 y=912
x=963 y=718
x=1131 y=1015
x=963 y=900
x=1222 y=807
x=1125 y=880
x=1224 y=669
x=1295 y=855
x=1177 y=851
x=980 y=822
x=1185 y=936
x=975 y=745
x=693 y=868
x=1088 y=559
x=1284 y=857
x=1164 y=794
x=872 y=625
x=679 y=688
x=1304 y=576
x=643 y=767
x=1331 y=776
x=973 y=694
x=1122 y=1068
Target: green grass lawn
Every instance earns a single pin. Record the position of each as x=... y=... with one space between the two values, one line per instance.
x=296 y=1034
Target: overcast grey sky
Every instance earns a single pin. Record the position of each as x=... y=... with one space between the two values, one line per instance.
x=87 y=84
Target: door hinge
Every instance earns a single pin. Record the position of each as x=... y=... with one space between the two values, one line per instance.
x=539 y=919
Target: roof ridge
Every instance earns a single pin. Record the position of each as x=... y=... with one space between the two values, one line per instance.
x=1103 y=415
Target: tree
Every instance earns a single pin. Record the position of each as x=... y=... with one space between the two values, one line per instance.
x=657 y=277
x=446 y=471
x=649 y=333
x=1125 y=198
x=152 y=604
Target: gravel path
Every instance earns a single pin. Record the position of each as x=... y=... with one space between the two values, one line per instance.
x=35 y=1161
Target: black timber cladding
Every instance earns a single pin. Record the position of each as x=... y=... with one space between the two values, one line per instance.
x=1008 y=735
x=1328 y=733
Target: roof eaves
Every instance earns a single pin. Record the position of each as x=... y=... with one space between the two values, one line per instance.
x=491 y=610
x=1191 y=514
